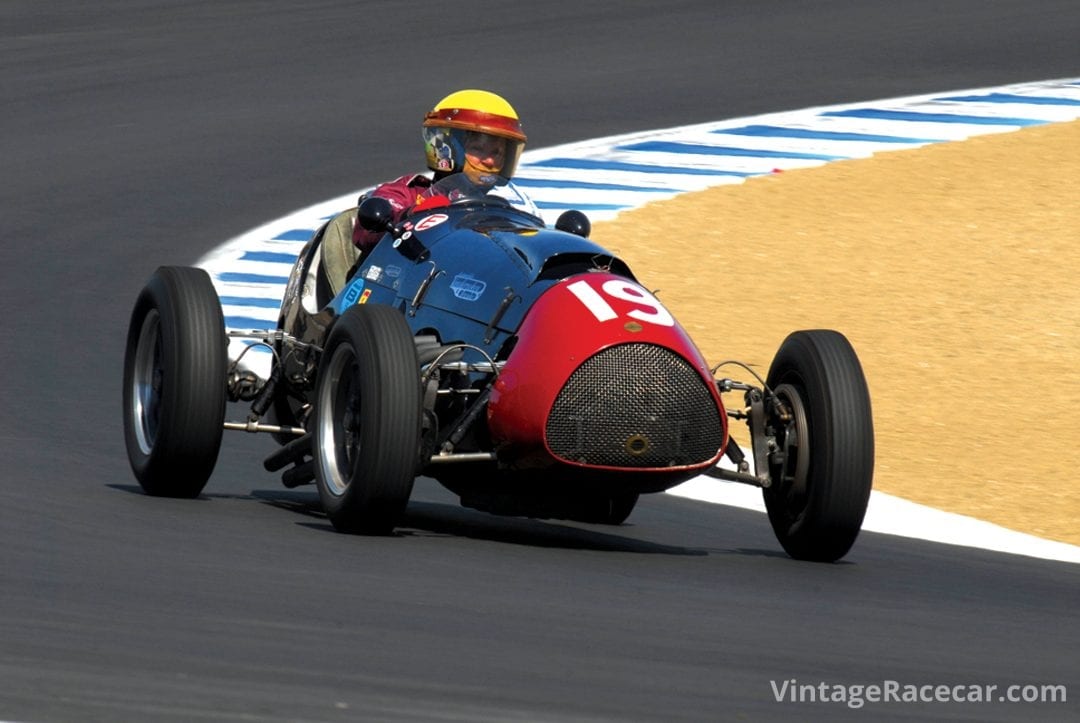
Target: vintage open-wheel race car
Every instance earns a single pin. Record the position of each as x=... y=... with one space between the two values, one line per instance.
x=522 y=366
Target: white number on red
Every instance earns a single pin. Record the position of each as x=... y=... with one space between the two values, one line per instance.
x=649 y=309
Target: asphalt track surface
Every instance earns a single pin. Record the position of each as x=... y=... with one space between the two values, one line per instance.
x=138 y=134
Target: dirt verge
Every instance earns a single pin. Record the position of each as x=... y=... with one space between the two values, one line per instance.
x=954 y=269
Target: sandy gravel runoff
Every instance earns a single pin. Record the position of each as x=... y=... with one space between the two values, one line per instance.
x=954 y=270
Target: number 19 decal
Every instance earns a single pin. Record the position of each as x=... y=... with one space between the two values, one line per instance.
x=651 y=310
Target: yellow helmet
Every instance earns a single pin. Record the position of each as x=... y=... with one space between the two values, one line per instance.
x=473 y=132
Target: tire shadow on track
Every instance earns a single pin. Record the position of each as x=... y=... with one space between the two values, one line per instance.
x=430 y=519
x=437 y=519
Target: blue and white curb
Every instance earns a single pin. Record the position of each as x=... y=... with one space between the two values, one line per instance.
x=606 y=176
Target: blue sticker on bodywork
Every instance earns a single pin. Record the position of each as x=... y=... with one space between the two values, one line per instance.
x=349 y=296
x=467 y=287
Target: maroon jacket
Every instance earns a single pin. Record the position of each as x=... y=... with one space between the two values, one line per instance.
x=402 y=193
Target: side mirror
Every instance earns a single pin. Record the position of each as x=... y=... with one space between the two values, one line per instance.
x=375 y=214
x=574 y=222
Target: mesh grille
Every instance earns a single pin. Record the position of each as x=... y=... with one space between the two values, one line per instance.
x=635 y=405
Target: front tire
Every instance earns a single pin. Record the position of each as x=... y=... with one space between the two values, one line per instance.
x=367 y=420
x=821 y=481
x=174 y=382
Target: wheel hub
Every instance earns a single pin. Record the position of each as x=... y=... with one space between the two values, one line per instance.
x=790 y=462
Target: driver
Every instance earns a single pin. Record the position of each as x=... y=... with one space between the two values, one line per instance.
x=473 y=132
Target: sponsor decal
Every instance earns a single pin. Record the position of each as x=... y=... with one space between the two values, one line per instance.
x=364 y=297
x=431 y=221
x=393 y=271
x=373 y=273
x=467 y=287
x=352 y=292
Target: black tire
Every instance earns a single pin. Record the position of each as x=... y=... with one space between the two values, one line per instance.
x=367 y=420
x=174 y=382
x=819 y=494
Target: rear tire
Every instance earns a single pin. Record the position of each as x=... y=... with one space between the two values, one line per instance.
x=175 y=382
x=819 y=494
x=367 y=420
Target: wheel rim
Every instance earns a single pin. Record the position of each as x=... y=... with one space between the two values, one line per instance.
x=339 y=420
x=146 y=382
x=793 y=441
